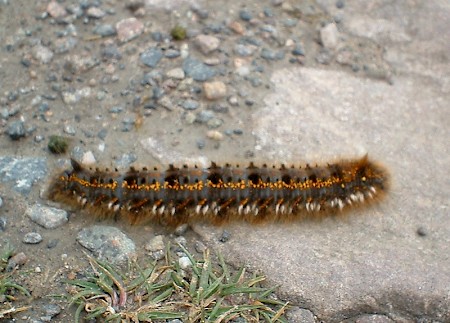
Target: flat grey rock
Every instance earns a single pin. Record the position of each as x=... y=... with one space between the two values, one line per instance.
x=48 y=217
x=108 y=243
x=372 y=260
x=22 y=173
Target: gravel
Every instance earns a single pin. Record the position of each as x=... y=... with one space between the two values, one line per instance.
x=125 y=91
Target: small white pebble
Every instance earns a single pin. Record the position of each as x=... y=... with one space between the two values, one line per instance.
x=88 y=158
x=184 y=262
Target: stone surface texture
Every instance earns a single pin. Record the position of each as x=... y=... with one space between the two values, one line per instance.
x=373 y=260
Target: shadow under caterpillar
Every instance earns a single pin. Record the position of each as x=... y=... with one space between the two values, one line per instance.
x=219 y=194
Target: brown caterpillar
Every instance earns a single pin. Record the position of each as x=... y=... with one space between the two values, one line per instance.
x=220 y=194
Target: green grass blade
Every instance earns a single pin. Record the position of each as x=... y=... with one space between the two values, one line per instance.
x=78 y=313
x=212 y=289
x=163 y=296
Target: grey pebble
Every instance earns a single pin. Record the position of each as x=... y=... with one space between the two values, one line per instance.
x=255 y=81
x=225 y=236
x=39 y=138
x=32 y=238
x=252 y=41
x=44 y=107
x=152 y=78
x=201 y=143
x=16 y=130
x=2 y=223
x=151 y=56
x=51 y=310
x=128 y=29
x=52 y=243
x=201 y=12
x=233 y=100
x=220 y=108
x=198 y=70
x=204 y=116
x=16 y=260
x=190 y=105
x=290 y=22
x=268 y=28
x=157 y=36
x=111 y=52
x=65 y=45
x=108 y=243
x=12 y=96
x=105 y=30
x=116 y=109
x=155 y=244
x=25 y=62
x=268 y=12
x=158 y=255
x=70 y=97
x=324 y=57
x=245 y=50
x=69 y=129
x=215 y=27
x=48 y=217
x=176 y=73
x=181 y=240
x=166 y=102
x=128 y=123
x=1 y=201
x=298 y=50
x=4 y=113
x=102 y=133
x=184 y=262
x=422 y=232
x=199 y=246
x=340 y=4
x=270 y=54
x=181 y=229
x=77 y=153
x=158 y=93
x=43 y=54
x=95 y=12
x=172 y=53
x=214 y=123
x=189 y=117
x=238 y=131
x=15 y=109
x=245 y=15
x=249 y=102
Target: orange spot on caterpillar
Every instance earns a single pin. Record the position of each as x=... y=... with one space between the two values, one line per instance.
x=220 y=194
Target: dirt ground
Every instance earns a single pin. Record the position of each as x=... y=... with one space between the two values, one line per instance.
x=59 y=77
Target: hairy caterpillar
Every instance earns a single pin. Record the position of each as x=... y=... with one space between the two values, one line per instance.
x=220 y=194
